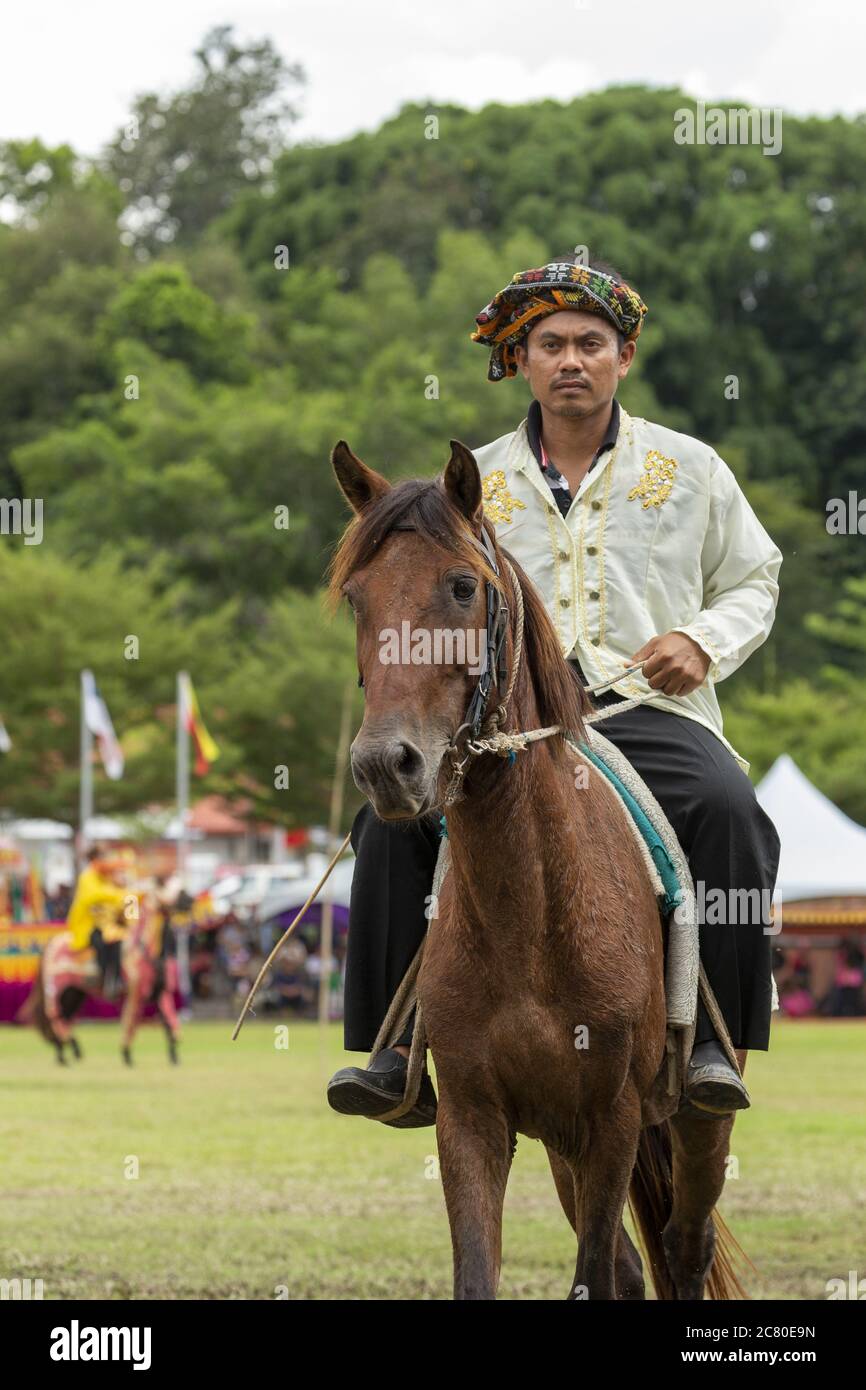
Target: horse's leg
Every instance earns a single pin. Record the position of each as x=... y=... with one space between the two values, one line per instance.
x=61 y=1025
x=627 y=1264
x=700 y=1143
x=170 y=1022
x=129 y=1021
x=602 y=1176
x=474 y=1164
x=628 y=1269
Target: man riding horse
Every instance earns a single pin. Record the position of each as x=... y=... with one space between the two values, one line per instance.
x=644 y=549
x=96 y=916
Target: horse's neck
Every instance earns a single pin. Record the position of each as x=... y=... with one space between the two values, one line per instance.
x=513 y=817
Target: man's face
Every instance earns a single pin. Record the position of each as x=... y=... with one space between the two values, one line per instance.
x=573 y=362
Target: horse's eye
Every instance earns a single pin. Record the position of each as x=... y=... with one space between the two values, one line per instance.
x=463 y=589
x=360 y=680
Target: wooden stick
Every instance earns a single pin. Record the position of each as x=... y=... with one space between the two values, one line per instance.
x=326 y=932
x=285 y=936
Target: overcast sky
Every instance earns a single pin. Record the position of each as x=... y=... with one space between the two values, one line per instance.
x=68 y=72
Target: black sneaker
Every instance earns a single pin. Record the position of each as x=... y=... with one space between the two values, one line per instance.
x=379 y=1088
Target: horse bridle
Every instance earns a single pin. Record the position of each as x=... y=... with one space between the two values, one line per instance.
x=495 y=656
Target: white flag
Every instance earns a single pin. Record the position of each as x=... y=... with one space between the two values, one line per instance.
x=5 y=740
x=100 y=725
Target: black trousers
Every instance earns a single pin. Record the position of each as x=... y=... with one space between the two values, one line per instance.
x=730 y=842
x=108 y=958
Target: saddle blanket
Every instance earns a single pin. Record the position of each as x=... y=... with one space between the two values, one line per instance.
x=672 y=888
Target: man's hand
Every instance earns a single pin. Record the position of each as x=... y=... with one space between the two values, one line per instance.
x=674 y=664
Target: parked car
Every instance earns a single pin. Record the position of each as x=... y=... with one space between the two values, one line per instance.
x=240 y=893
x=275 y=911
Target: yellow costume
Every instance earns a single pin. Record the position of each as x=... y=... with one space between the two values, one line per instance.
x=97 y=903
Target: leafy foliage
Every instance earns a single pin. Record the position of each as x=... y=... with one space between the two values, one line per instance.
x=193 y=320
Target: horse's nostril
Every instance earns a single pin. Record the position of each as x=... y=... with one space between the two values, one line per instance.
x=404 y=759
x=397 y=762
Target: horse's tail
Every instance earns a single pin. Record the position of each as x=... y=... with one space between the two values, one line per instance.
x=723 y=1281
x=650 y=1197
x=651 y=1201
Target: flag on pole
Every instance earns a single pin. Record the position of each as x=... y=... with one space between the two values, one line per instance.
x=5 y=740
x=205 y=748
x=100 y=725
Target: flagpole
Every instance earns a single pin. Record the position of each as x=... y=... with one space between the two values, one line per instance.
x=85 y=790
x=182 y=774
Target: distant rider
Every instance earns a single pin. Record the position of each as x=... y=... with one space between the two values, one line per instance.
x=96 y=916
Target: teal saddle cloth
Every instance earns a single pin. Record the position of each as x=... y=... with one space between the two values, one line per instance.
x=659 y=855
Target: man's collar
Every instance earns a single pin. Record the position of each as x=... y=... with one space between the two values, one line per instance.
x=533 y=431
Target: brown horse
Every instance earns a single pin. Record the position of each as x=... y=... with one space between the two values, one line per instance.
x=66 y=978
x=547 y=923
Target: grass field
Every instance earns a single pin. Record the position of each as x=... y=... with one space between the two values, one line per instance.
x=248 y=1184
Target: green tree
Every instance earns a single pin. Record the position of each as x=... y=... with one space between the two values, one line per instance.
x=180 y=161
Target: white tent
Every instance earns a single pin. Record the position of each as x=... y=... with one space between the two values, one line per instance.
x=823 y=851
x=39 y=829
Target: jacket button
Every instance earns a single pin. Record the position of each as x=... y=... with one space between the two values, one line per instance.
x=592 y=550
x=593 y=593
x=596 y=642
x=596 y=506
x=563 y=554
x=564 y=602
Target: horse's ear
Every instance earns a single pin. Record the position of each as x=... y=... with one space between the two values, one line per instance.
x=463 y=484
x=359 y=484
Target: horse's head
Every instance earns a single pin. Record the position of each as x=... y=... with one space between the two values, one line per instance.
x=415 y=573
x=419 y=599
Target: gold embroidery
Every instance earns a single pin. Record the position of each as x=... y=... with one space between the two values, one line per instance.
x=498 y=502
x=656 y=480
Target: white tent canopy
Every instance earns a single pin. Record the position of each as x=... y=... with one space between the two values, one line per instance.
x=823 y=851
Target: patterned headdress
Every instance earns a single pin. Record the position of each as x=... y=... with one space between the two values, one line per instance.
x=532 y=294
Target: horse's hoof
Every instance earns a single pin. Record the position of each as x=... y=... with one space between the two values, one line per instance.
x=76 y=1049
x=61 y=1060
x=126 y=1054
x=173 y=1056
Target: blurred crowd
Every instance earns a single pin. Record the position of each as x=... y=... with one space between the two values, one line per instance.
x=839 y=994
x=225 y=962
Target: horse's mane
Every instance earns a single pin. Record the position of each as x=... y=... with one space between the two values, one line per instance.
x=425 y=505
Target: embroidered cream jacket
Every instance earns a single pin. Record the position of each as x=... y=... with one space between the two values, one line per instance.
x=659 y=537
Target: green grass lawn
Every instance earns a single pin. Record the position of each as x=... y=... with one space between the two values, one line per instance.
x=247 y=1182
